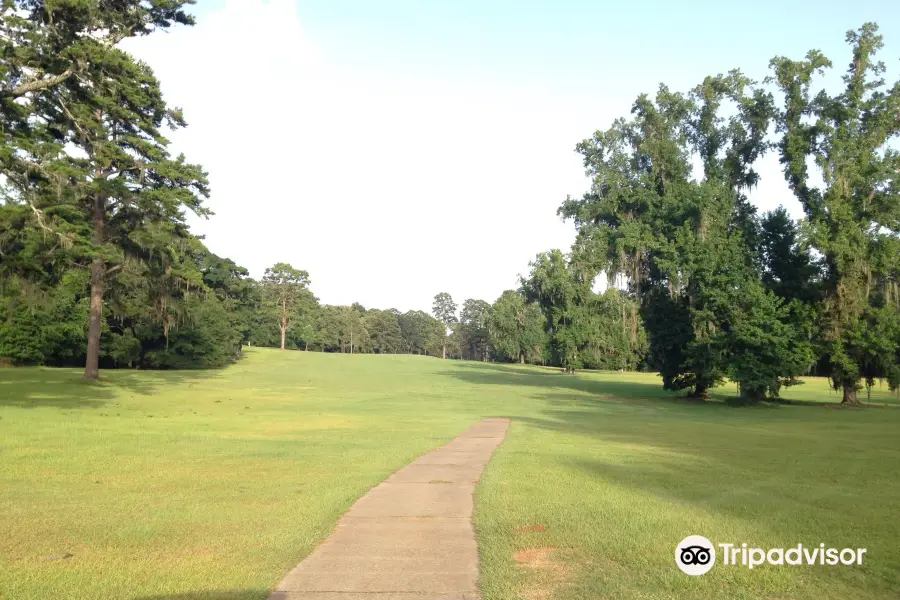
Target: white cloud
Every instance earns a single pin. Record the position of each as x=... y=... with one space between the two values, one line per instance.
x=387 y=186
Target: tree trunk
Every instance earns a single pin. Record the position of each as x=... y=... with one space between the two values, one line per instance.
x=283 y=320
x=752 y=396
x=850 y=394
x=98 y=273
x=700 y=391
x=92 y=362
x=444 y=351
x=521 y=358
x=305 y=346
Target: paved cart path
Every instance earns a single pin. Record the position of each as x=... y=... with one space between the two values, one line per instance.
x=410 y=537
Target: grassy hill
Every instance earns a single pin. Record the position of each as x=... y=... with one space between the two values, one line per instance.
x=194 y=485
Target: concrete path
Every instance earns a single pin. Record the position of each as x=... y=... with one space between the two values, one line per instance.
x=409 y=538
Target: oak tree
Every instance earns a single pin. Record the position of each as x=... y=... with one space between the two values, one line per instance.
x=854 y=217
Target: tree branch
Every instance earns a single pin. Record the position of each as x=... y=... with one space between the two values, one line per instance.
x=64 y=240
x=37 y=84
x=44 y=82
x=84 y=135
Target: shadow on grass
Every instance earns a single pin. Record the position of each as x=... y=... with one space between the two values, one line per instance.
x=495 y=374
x=622 y=388
x=212 y=595
x=694 y=451
x=34 y=387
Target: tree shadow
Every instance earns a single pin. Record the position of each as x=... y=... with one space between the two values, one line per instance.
x=774 y=468
x=497 y=374
x=621 y=388
x=35 y=387
x=718 y=458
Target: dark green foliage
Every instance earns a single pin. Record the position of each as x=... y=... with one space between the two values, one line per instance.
x=474 y=338
x=46 y=326
x=208 y=338
x=384 y=333
x=690 y=252
x=341 y=329
x=422 y=333
x=516 y=329
x=84 y=153
x=97 y=264
x=612 y=342
x=853 y=221
x=584 y=329
x=553 y=287
x=788 y=267
x=287 y=300
x=444 y=310
x=202 y=325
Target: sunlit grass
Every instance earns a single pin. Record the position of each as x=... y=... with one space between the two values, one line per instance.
x=615 y=478
x=190 y=485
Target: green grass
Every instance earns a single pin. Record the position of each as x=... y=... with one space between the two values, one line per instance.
x=196 y=485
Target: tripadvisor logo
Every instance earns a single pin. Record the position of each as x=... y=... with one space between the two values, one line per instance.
x=696 y=555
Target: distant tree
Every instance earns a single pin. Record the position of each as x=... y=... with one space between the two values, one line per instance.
x=413 y=334
x=341 y=329
x=612 y=344
x=474 y=321
x=516 y=327
x=384 y=333
x=233 y=287
x=444 y=309
x=284 y=290
x=329 y=328
x=560 y=294
x=302 y=330
x=422 y=333
x=854 y=219
x=353 y=333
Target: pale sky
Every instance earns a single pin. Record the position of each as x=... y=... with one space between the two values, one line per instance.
x=398 y=149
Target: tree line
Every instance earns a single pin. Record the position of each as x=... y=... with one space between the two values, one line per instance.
x=98 y=266
x=722 y=291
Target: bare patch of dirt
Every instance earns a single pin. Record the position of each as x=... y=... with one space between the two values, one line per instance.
x=529 y=528
x=539 y=558
x=548 y=575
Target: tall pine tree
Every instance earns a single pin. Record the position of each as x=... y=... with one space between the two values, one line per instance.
x=83 y=143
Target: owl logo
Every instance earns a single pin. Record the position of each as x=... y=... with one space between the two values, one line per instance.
x=695 y=555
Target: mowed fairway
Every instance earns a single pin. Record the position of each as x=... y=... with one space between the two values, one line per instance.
x=193 y=485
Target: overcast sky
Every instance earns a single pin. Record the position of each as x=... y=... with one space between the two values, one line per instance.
x=397 y=149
